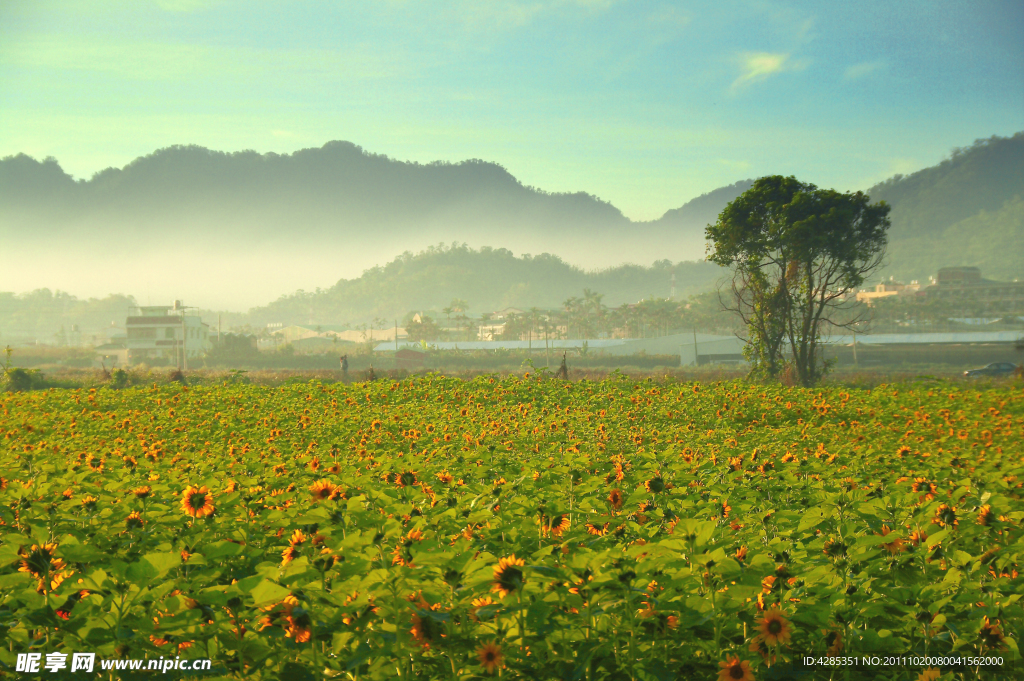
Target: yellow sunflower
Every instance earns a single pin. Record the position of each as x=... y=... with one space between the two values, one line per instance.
x=991 y=633
x=507 y=575
x=197 y=501
x=735 y=669
x=774 y=627
x=655 y=485
x=321 y=489
x=41 y=564
x=490 y=656
x=134 y=521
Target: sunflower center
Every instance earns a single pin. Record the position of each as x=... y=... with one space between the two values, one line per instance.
x=197 y=500
x=736 y=671
x=511 y=577
x=774 y=627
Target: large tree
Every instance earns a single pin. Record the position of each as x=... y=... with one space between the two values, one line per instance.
x=796 y=252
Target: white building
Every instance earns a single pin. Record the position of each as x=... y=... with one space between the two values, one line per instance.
x=158 y=334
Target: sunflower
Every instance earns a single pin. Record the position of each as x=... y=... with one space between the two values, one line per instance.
x=68 y=493
x=991 y=633
x=597 y=531
x=985 y=515
x=134 y=521
x=923 y=485
x=322 y=489
x=490 y=656
x=557 y=525
x=734 y=669
x=741 y=554
x=834 y=640
x=834 y=548
x=197 y=501
x=945 y=515
x=894 y=546
x=479 y=603
x=406 y=479
x=41 y=564
x=774 y=627
x=930 y=674
x=142 y=492
x=616 y=499
x=89 y=502
x=507 y=575
x=655 y=484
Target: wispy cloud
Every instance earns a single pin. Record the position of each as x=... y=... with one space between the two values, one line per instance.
x=863 y=69
x=758 y=66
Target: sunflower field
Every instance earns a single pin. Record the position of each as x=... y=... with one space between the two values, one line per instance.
x=517 y=527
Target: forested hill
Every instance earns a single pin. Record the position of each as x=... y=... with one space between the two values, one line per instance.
x=268 y=223
x=967 y=210
x=487 y=279
x=331 y=188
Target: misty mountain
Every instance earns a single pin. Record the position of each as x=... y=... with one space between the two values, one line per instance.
x=232 y=230
x=237 y=229
x=965 y=211
x=333 y=190
x=487 y=279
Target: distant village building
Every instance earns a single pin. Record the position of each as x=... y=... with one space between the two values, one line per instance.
x=886 y=289
x=165 y=334
x=966 y=285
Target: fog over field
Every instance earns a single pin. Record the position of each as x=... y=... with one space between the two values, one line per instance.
x=238 y=230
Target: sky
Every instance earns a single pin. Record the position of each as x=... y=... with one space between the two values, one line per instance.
x=645 y=104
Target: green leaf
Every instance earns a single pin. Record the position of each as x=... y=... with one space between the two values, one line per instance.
x=937 y=537
x=80 y=553
x=268 y=592
x=221 y=548
x=813 y=517
x=162 y=562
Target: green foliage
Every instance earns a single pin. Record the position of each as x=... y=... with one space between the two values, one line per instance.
x=489 y=279
x=43 y=311
x=19 y=379
x=795 y=251
x=233 y=349
x=963 y=211
x=119 y=379
x=610 y=529
x=423 y=330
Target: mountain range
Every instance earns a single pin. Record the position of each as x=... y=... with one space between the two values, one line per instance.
x=239 y=229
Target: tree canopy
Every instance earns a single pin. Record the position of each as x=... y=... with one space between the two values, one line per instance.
x=797 y=253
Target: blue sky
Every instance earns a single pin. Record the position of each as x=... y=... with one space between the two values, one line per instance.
x=646 y=104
